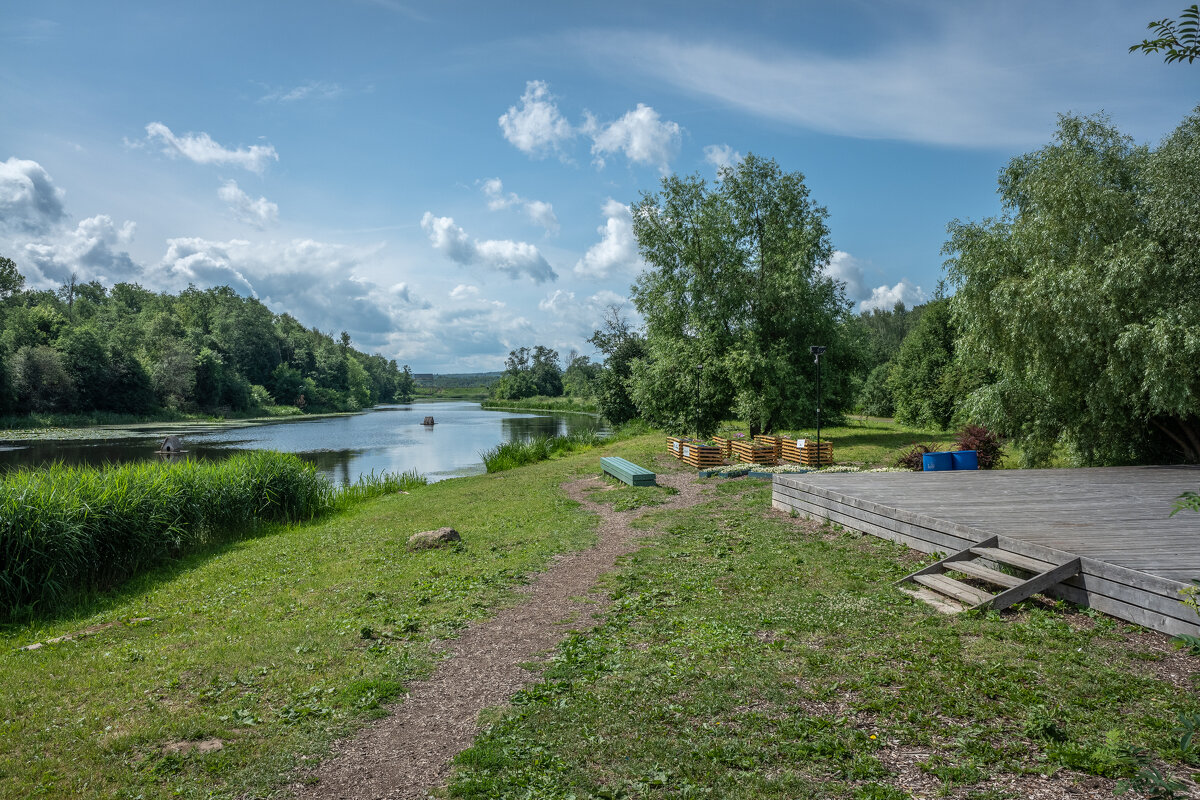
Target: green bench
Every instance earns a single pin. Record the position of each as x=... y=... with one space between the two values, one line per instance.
x=627 y=471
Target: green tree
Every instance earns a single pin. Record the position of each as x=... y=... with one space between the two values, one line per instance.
x=580 y=377
x=546 y=372
x=621 y=346
x=11 y=279
x=925 y=379
x=41 y=380
x=1178 y=40
x=736 y=285
x=1081 y=297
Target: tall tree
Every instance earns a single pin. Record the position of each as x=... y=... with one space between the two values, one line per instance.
x=734 y=296
x=1081 y=296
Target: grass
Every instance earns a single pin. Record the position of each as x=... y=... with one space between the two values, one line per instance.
x=275 y=645
x=519 y=453
x=68 y=531
x=749 y=655
x=873 y=441
x=567 y=405
x=38 y=420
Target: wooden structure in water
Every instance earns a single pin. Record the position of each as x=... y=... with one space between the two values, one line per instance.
x=1101 y=537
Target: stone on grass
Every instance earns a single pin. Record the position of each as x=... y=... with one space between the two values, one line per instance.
x=427 y=540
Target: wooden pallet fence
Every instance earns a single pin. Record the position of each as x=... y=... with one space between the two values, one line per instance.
x=789 y=450
x=675 y=445
x=724 y=444
x=702 y=455
x=752 y=452
x=776 y=443
x=809 y=454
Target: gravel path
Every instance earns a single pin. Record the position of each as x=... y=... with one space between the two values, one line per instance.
x=408 y=753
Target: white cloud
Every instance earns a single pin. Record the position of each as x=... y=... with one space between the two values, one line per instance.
x=722 y=156
x=202 y=149
x=537 y=128
x=847 y=269
x=29 y=200
x=886 y=297
x=641 y=135
x=616 y=251
x=94 y=250
x=574 y=319
x=538 y=212
x=464 y=291
x=511 y=258
x=313 y=90
x=258 y=213
x=954 y=86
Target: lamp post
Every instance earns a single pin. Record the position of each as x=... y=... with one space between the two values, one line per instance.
x=699 y=370
x=817 y=350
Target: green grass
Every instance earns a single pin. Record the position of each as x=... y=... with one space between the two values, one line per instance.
x=451 y=393
x=68 y=531
x=275 y=645
x=749 y=655
x=521 y=452
x=571 y=405
x=871 y=441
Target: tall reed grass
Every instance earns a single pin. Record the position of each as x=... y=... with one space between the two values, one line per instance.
x=510 y=455
x=65 y=531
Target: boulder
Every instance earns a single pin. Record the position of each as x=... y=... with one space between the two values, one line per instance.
x=427 y=540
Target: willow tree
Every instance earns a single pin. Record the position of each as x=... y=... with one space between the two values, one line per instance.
x=734 y=296
x=1084 y=296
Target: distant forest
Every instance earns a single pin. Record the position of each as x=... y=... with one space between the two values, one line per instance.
x=86 y=348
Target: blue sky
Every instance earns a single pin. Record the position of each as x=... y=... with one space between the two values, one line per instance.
x=449 y=181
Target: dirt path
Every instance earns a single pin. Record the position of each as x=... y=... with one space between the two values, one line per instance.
x=407 y=754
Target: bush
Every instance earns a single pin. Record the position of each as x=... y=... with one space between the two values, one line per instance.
x=983 y=441
x=875 y=399
x=913 y=457
x=65 y=531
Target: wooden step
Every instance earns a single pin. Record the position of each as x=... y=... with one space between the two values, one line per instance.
x=956 y=589
x=940 y=602
x=1017 y=560
x=977 y=570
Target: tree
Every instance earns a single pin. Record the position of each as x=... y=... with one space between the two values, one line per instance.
x=929 y=379
x=546 y=372
x=41 y=381
x=11 y=279
x=1081 y=297
x=580 y=377
x=621 y=345
x=736 y=285
x=1179 y=40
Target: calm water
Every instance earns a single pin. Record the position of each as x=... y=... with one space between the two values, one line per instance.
x=387 y=438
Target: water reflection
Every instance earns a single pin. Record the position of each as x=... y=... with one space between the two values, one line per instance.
x=389 y=438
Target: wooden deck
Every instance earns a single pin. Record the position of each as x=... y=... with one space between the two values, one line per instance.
x=1135 y=557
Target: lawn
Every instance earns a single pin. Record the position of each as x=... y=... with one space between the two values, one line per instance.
x=752 y=655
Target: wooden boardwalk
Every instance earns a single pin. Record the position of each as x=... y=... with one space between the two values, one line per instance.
x=1135 y=557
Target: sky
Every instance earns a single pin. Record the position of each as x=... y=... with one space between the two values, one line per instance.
x=449 y=181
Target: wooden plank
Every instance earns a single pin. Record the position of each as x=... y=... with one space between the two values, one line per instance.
x=977 y=570
x=940 y=603
x=956 y=589
x=1035 y=565
x=1032 y=586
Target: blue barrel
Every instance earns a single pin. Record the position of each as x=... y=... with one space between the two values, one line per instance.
x=937 y=462
x=966 y=459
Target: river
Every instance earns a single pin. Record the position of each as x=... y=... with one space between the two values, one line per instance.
x=388 y=438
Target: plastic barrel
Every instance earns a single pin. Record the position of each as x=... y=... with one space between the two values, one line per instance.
x=937 y=462
x=965 y=459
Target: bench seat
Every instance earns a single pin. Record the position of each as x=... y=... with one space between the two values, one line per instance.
x=627 y=471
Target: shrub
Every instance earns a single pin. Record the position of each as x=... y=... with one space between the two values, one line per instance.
x=912 y=458
x=983 y=441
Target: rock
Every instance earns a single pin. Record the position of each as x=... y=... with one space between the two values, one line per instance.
x=427 y=540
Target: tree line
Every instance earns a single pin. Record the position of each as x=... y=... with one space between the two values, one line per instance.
x=1069 y=324
x=86 y=348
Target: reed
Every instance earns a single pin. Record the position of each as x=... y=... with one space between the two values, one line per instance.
x=66 y=531
x=510 y=455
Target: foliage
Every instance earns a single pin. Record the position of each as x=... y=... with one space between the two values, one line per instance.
x=581 y=377
x=885 y=330
x=518 y=453
x=1075 y=297
x=87 y=348
x=929 y=377
x=913 y=459
x=70 y=530
x=622 y=346
x=733 y=296
x=1178 y=39
x=1186 y=501
x=987 y=444
x=528 y=373
x=875 y=398
x=539 y=403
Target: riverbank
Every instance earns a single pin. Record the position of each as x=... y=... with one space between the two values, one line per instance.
x=119 y=426
x=555 y=405
x=746 y=654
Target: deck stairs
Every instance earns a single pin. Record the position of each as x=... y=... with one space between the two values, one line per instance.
x=978 y=564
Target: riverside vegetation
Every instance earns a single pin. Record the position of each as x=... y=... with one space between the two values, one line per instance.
x=747 y=655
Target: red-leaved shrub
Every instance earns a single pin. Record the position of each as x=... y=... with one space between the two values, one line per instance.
x=984 y=442
x=912 y=457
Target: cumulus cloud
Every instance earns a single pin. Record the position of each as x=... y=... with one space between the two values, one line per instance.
x=538 y=212
x=847 y=269
x=258 y=213
x=313 y=90
x=202 y=149
x=886 y=297
x=511 y=258
x=617 y=249
x=537 y=128
x=575 y=319
x=464 y=291
x=641 y=135
x=29 y=201
x=94 y=250
x=722 y=156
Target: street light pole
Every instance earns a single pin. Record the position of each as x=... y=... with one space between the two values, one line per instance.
x=699 y=369
x=817 y=350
